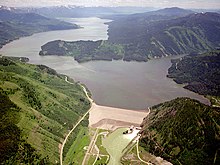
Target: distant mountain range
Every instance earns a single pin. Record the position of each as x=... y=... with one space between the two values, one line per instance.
x=166 y=32
x=170 y=31
x=14 y=25
x=79 y=11
x=166 y=13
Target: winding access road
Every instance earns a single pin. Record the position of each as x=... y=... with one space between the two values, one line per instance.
x=138 y=154
x=81 y=119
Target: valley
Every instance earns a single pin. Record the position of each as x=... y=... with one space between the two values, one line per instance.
x=111 y=83
x=156 y=34
x=69 y=110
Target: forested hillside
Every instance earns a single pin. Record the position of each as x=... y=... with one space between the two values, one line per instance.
x=38 y=107
x=15 y=25
x=183 y=131
x=83 y=51
x=140 y=37
x=200 y=72
x=158 y=35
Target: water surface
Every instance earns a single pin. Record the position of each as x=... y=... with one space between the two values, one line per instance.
x=132 y=85
x=115 y=143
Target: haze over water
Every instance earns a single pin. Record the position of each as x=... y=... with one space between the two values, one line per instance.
x=131 y=85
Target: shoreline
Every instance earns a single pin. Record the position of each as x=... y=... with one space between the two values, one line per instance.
x=28 y=35
x=112 y=110
x=110 y=118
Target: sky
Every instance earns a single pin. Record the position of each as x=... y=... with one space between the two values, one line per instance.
x=203 y=4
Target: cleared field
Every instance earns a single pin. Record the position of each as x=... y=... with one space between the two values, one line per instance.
x=77 y=150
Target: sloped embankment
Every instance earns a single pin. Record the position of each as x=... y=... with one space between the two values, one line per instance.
x=47 y=108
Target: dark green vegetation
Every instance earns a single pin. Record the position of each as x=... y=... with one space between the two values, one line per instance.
x=38 y=107
x=83 y=51
x=183 y=131
x=15 y=25
x=161 y=33
x=139 y=37
x=14 y=149
x=200 y=72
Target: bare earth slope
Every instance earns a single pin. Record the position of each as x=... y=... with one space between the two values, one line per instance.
x=111 y=118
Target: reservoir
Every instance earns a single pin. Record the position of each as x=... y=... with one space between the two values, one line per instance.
x=129 y=85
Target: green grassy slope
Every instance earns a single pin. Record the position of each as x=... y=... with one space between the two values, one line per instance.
x=14 y=149
x=48 y=106
x=183 y=131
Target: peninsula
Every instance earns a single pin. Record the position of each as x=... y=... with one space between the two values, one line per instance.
x=144 y=36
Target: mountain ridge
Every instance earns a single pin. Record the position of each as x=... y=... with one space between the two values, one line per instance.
x=183 y=131
x=182 y=35
x=82 y=11
x=15 y=25
x=149 y=39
